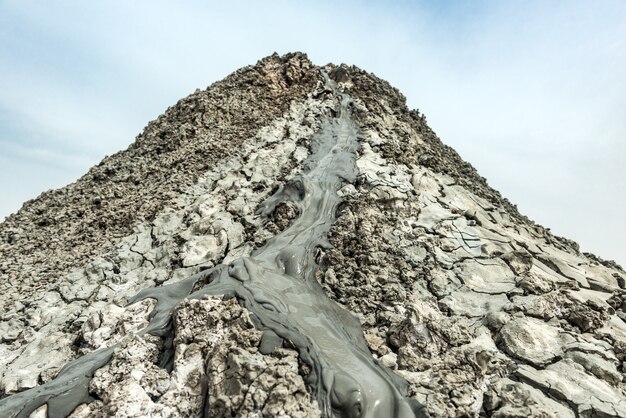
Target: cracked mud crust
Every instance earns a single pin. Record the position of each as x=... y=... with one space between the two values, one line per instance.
x=479 y=311
x=65 y=228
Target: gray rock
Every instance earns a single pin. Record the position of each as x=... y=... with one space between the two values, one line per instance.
x=508 y=398
x=531 y=340
x=569 y=381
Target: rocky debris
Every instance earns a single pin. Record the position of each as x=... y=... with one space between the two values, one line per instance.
x=481 y=311
x=217 y=371
x=242 y=379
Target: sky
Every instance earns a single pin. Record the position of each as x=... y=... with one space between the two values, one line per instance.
x=532 y=93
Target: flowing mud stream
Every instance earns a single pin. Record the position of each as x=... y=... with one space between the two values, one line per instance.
x=277 y=284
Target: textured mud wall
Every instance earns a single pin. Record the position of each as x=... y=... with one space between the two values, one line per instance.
x=481 y=311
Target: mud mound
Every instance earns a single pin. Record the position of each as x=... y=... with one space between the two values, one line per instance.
x=294 y=241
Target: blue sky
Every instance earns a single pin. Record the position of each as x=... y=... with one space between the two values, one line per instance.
x=532 y=93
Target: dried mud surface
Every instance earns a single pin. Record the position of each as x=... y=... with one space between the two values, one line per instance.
x=481 y=311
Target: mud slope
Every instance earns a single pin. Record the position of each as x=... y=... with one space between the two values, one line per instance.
x=293 y=241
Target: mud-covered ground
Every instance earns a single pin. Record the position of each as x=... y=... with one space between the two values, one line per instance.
x=480 y=310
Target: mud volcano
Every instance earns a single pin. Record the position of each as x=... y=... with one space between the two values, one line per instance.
x=293 y=241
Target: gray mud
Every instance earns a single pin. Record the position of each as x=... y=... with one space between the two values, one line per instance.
x=63 y=394
x=277 y=284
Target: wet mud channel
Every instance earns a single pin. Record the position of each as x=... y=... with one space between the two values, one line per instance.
x=277 y=284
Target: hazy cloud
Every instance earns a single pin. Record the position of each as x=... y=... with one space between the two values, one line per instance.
x=531 y=93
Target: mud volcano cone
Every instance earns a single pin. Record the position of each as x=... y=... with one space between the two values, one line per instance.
x=293 y=241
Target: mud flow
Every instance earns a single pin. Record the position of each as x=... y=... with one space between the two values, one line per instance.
x=277 y=284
